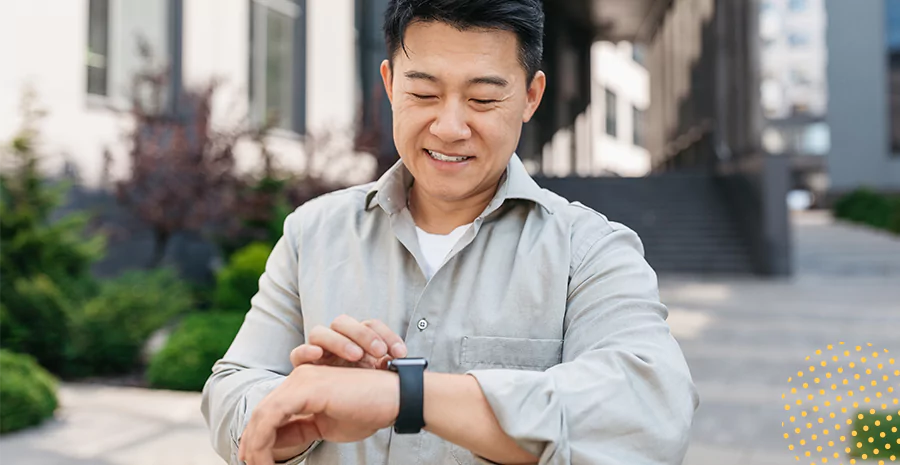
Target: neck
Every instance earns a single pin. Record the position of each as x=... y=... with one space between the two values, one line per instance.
x=438 y=216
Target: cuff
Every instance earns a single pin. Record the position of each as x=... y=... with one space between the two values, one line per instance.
x=242 y=416
x=526 y=407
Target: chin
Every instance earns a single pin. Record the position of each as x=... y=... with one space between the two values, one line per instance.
x=445 y=193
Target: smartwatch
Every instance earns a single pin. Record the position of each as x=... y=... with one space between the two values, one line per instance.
x=411 y=372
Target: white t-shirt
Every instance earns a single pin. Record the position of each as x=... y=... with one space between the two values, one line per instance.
x=435 y=247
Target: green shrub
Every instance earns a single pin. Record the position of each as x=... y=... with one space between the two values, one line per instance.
x=40 y=324
x=866 y=427
x=894 y=220
x=110 y=331
x=239 y=280
x=44 y=263
x=186 y=361
x=869 y=207
x=27 y=392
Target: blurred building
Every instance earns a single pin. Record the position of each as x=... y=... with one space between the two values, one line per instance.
x=296 y=59
x=715 y=197
x=793 y=59
x=864 y=109
x=612 y=132
x=794 y=88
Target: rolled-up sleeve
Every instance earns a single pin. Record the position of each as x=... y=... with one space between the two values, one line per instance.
x=259 y=357
x=623 y=393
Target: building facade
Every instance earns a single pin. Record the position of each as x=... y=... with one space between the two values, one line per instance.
x=864 y=108
x=608 y=138
x=293 y=58
x=620 y=100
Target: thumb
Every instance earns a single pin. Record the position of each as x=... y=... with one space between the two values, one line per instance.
x=306 y=353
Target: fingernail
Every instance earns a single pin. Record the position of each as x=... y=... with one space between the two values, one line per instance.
x=354 y=351
x=399 y=350
x=379 y=349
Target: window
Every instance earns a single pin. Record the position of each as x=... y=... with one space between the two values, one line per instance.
x=800 y=77
x=638 y=126
x=118 y=31
x=797 y=39
x=638 y=53
x=98 y=47
x=892 y=15
x=274 y=52
x=797 y=6
x=611 y=105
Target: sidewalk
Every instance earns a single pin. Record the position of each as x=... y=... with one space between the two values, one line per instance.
x=743 y=338
x=101 y=425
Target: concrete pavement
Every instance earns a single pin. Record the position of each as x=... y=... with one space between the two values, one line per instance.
x=742 y=339
x=100 y=425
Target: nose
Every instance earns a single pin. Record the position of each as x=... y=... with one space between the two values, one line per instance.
x=450 y=124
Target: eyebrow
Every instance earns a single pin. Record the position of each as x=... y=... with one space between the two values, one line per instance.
x=488 y=80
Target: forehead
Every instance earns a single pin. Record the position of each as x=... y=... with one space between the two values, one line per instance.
x=448 y=50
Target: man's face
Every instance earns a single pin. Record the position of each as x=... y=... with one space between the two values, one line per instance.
x=459 y=101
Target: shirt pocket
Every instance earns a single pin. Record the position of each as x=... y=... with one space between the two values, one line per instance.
x=510 y=352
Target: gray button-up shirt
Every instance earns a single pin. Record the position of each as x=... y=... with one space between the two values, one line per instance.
x=547 y=303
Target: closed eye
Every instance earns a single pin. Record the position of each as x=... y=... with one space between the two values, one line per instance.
x=484 y=102
x=423 y=97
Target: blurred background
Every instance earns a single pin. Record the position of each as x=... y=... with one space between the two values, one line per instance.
x=152 y=149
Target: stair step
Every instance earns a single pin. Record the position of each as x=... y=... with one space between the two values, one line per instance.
x=682 y=218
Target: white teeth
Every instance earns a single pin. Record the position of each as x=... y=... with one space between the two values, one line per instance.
x=441 y=157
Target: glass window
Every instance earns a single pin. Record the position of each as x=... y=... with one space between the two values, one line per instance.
x=638 y=53
x=892 y=15
x=611 y=116
x=638 y=126
x=272 y=52
x=120 y=34
x=797 y=39
x=98 y=47
x=797 y=6
x=817 y=139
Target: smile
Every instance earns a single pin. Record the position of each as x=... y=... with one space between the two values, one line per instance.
x=446 y=158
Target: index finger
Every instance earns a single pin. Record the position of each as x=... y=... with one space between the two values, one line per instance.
x=397 y=348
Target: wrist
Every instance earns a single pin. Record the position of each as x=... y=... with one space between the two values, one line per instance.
x=411 y=396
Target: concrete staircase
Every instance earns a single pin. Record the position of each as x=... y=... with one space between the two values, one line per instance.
x=682 y=219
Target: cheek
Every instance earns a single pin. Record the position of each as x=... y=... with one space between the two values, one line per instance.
x=408 y=121
x=500 y=127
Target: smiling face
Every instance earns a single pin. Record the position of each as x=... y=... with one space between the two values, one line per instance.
x=459 y=100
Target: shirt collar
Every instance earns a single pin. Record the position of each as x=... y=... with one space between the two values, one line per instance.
x=391 y=190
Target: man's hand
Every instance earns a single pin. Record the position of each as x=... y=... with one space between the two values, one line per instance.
x=350 y=343
x=319 y=402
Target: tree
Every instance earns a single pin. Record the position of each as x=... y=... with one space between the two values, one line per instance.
x=182 y=170
x=44 y=264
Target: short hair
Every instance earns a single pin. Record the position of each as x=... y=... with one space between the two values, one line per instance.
x=524 y=18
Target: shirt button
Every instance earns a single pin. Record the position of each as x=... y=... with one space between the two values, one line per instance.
x=422 y=324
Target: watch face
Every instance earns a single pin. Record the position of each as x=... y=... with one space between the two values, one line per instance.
x=408 y=362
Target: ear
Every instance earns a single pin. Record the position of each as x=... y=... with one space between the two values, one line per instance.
x=388 y=78
x=534 y=96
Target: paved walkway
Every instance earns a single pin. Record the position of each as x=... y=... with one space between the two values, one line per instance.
x=116 y=426
x=742 y=338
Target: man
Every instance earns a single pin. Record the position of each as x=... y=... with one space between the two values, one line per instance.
x=540 y=321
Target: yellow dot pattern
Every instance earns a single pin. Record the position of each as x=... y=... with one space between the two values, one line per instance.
x=858 y=372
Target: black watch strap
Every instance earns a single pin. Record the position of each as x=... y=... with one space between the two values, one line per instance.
x=411 y=418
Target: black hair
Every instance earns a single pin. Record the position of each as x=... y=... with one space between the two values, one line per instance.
x=524 y=18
